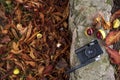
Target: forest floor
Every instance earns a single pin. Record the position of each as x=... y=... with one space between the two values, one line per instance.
x=34 y=39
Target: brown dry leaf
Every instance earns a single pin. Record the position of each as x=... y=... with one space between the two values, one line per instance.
x=29 y=31
x=18 y=12
x=21 y=29
x=3 y=31
x=62 y=64
x=1 y=64
x=5 y=39
x=42 y=18
x=115 y=16
x=112 y=37
x=21 y=40
x=44 y=37
x=8 y=57
x=29 y=77
x=14 y=32
x=66 y=11
x=58 y=18
x=40 y=70
x=2 y=12
x=58 y=14
x=32 y=53
x=114 y=55
x=48 y=69
x=8 y=65
x=16 y=52
x=60 y=53
x=26 y=57
x=20 y=1
x=32 y=37
x=20 y=65
x=15 y=46
x=30 y=63
x=65 y=24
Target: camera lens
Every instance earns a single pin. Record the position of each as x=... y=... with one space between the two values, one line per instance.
x=90 y=52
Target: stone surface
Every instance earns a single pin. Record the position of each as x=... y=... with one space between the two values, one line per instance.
x=81 y=14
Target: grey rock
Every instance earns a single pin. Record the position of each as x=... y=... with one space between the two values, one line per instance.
x=81 y=14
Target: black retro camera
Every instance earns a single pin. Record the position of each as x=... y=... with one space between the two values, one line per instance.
x=87 y=54
x=88 y=51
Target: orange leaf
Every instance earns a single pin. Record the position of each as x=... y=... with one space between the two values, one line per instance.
x=115 y=15
x=40 y=70
x=30 y=63
x=112 y=37
x=15 y=46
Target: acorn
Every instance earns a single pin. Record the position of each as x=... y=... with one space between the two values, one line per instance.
x=101 y=34
x=116 y=23
x=89 y=31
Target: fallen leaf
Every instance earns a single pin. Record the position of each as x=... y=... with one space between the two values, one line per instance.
x=40 y=70
x=42 y=18
x=26 y=57
x=20 y=65
x=15 y=46
x=48 y=69
x=62 y=64
x=114 y=55
x=16 y=51
x=31 y=63
x=112 y=37
x=21 y=29
x=29 y=30
x=29 y=77
x=5 y=39
x=32 y=53
x=115 y=16
x=14 y=32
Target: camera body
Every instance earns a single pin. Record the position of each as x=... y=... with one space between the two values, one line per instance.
x=88 y=51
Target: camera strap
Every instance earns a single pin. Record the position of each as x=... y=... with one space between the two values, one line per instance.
x=79 y=66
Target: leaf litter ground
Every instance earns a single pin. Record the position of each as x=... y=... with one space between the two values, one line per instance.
x=34 y=39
